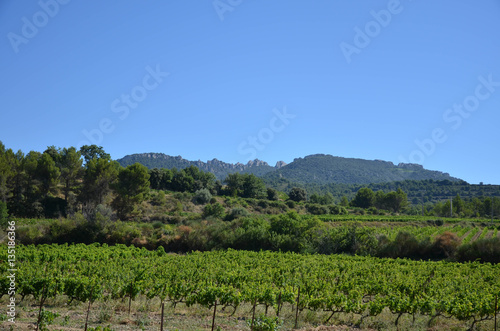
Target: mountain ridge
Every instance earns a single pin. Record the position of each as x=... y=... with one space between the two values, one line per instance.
x=315 y=168
x=219 y=168
x=340 y=170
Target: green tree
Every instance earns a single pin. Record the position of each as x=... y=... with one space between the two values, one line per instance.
x=272 y=194
x=16 y=182
x=364 y=198
x=380 y=200
x=48 y=174
x=487 y=204
x=30 y=167
x=245 y=185
x=315 y=198
x=396 y=200
x=326 y=199
x=234 y=184
x=6 y=174
x=4 y=214
x=182 y=182
x=297 y=194
x=155 y=178
x=93 y=152
x=458 y=204
x=161 y=179
x=201 y=179
x=253 y=187
x=131 y=187
x=71 y=170
x=55 y=154
x=100 y=174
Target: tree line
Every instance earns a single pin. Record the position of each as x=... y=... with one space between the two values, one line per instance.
x=63 y=181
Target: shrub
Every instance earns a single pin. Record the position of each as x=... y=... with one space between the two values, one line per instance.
x=236 y=213
x=317 y=209
x=487 y=250
x=63 y=230
x=264 y=323
x=263 y=203
x=445 y=245
x=338 y=210
x=215 y=210
x=202 y=196
x=158 y=199
x=272 y=194
x=404 y=245
x=290 y=204
x=157 y=224
x=298 y=194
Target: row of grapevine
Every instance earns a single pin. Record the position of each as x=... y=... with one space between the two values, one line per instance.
x=359 y=285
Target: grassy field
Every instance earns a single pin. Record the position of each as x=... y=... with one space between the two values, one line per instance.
x=145 y=315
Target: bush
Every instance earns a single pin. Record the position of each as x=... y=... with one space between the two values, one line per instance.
x=272 y=194
x=445 y=245
x=486 y=250
x=317 y=209
x=264 y=323
x=236 y=213
x=202 y=196
x=255 y=235
x=404 y=245
x=290 y=204
x=298 y=194
x=338 y=210
x=214 y=210
x=158 y=199
x=263 y=203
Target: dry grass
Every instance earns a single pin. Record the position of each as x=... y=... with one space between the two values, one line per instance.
x=145 y=315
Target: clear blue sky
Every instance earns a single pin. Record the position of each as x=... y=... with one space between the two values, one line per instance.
x=364 y=79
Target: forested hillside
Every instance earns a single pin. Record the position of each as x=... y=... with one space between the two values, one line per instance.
x=428 y=190
x=312 y=169
x=325 y=169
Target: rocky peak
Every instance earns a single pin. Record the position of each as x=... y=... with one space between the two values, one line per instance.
x=257 y=163
x=280 y=164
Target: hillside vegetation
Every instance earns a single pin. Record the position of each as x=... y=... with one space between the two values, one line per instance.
x=312 y=169
x=69 y=196
x=325 y=169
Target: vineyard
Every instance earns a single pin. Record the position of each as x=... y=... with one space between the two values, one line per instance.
x=252 y=282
